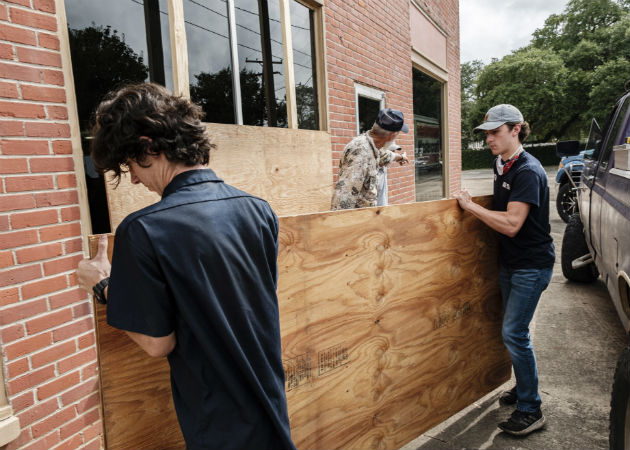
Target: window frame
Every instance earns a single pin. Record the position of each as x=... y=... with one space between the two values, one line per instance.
x=361 y=90
x=420 y=63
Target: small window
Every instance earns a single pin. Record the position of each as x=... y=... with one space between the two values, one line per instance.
x=368 y=102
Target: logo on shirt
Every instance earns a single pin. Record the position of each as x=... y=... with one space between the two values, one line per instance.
x=505 y=186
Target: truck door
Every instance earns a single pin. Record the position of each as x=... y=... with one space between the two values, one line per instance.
x=603 y=203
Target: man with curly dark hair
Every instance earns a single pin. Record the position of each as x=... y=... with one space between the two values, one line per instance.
x=193 y=277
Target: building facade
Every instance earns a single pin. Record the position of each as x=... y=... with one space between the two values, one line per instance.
x=297 y=64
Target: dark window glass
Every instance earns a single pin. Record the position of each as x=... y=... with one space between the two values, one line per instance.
x=427 y=133
x=368 y=111
x=616 y=136
x=304 y=67
x=209 y=65
x=108 y=48
x=260 y=58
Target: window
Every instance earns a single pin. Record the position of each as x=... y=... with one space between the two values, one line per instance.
x=427 y=136
x=617 y=133
x=239 y=74
x=304 y=63
x=368 y=103
x=113 y=43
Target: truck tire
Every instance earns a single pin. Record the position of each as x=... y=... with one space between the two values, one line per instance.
x=566 y=201
x=620 y=404
x=574 y=246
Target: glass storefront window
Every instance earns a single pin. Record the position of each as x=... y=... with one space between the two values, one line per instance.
x=113 y=43
x=209 y=66
x=427 y=134
x=260 y=55
x=304 y=65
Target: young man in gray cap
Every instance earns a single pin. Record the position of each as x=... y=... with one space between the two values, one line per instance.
x=359 y=163
x=526 y=253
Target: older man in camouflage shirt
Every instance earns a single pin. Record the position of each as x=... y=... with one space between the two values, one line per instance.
x=358 y=167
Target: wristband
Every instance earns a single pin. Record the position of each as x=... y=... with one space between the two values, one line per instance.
x=99 y=291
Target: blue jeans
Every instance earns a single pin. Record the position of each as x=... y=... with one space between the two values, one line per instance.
x=520 y=291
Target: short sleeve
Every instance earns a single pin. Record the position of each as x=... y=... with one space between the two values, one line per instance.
x=138 y=298
x=526 y=188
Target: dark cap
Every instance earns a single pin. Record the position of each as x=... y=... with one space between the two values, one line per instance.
x=391 y=120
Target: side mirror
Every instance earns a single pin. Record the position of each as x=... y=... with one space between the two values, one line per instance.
x=567 y=148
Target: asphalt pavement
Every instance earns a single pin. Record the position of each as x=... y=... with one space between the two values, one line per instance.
x=577 y=339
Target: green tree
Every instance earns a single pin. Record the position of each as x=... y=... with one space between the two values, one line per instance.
x=574 y=69
x=532 y=79
x=469 y=73
x=592 y=37
x=608 y=81
x=306 y=102
x=101 y=61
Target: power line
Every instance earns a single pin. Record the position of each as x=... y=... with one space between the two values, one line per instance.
x=227 y=37
x=275 y=20
x=247 y=28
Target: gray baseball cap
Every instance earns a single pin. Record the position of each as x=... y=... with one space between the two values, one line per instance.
x=498 y=115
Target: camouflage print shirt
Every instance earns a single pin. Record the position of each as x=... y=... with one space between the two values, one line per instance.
x=358 y=169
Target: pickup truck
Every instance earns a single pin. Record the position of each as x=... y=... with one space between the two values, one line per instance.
x=569 y=173
x=597 y=240
x=568 y=178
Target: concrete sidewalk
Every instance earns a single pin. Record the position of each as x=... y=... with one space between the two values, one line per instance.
x=577 y=339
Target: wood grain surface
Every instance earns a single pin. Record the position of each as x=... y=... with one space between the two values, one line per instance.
x=390 y=321
x=291 y=169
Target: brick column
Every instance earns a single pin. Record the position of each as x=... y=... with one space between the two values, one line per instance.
x=46 y=322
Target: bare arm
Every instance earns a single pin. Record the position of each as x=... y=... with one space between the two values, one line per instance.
x=154 y=346
x=91 y=271
x=507 y=222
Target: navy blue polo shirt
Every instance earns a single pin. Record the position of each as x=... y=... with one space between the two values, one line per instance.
x=532 y=247
x=202 y=263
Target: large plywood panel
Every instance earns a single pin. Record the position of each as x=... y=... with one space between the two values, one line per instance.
x=291 y=169
x=390 y=321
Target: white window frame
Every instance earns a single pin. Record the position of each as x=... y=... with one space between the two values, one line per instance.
x=367 y=92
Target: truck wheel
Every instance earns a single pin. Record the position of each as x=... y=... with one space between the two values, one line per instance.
x=574 y=246
x=620 y=404
x=566 y=201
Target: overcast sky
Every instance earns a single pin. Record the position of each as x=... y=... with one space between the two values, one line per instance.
x=493 y=28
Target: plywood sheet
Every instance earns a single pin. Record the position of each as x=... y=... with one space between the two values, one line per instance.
x=390 y=321
x=291 y=169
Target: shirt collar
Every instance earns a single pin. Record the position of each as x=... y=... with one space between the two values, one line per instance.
x=371 y=142
x=189 y=178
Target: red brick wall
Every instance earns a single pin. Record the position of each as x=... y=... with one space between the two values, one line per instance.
x=369 y=42
x=46 y=322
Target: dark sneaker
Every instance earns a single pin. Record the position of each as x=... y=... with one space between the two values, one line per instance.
x=508 y=397
x=522 y=423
